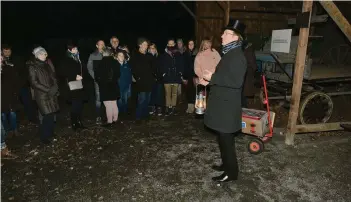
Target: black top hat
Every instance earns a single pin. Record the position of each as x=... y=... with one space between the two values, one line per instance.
x=236 y=26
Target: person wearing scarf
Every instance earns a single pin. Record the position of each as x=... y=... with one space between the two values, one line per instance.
x=71 y=67
x=223 y=113
x=172 y=68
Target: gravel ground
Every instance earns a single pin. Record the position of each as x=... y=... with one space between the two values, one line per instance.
x=169 y=159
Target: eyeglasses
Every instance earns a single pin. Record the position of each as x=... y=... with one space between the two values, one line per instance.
x=227 y=33
x=115 y=41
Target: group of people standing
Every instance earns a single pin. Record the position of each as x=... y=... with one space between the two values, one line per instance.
x=156 y=79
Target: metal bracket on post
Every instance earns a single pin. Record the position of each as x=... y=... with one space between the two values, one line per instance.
x=302 y=20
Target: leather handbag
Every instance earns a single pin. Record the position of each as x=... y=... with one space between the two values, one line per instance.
x=76 y=85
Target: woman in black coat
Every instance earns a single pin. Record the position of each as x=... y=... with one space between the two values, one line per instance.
x=107 y=74
x=43 y=82
x=71 y=68
x=190 y=76
x=224 y=111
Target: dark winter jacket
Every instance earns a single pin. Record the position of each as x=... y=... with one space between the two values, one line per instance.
x=125 y=80
x=224 y=111
x=95 y=56
x=157 y=68
x=10 y=87
x=106 y=75
x=42 y=80
x=172 y=67
x=190 y=55
x=143 y=69
x=71 y=67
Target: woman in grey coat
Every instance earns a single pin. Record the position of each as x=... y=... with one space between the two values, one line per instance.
x=43 y=81
x=224 y=112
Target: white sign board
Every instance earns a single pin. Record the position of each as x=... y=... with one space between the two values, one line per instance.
x=281 y=40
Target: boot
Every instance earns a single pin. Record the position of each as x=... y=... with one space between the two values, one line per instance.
x=192 y=108
x=159 y=111
x=74 y=122
x=80 y=124
x=7 y=154
x=188 y=109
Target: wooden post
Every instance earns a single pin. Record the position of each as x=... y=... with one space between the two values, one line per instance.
x=298 y=76
x=227 y=14
x=337 y=16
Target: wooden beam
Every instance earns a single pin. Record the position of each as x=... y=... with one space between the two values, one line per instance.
x=312 y=128
x=337 y=16
x=266 y=10
x=227 y=14
x=200 y=21
x=222 y=5
x=314 y=19
x=209 y=18
x=298 y=76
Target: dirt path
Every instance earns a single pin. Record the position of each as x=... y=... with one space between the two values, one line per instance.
x=169 y=160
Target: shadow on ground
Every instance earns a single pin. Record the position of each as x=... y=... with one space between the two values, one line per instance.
x=169 y=159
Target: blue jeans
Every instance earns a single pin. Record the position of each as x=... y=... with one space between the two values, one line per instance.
x=122 y=102
x=97 y=99
x=27 y=103
x=3 y=135
x=47 y=126
x=157 y=95
x=142 y=110
x=9 y=120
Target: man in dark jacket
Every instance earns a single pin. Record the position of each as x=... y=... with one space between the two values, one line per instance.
x=172 y=67
x=143 y=70
x=93 y=60
x=224 y=111
x=10 y=89
x=115 y=47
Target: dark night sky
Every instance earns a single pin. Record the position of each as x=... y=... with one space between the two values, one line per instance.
x=34 y=22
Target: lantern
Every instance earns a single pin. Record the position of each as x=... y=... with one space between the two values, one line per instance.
x=200 y=102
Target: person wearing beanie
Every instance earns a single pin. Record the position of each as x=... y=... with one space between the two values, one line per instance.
x=72 y=70
x=42 y=79
x=143 y=71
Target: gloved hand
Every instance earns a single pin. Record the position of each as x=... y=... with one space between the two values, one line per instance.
x=53 y=90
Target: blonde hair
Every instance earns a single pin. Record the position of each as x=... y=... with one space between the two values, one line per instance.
x=203 y=44
x=154 y=45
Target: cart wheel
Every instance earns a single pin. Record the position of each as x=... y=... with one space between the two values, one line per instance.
x=255 y=146
x=316 y=107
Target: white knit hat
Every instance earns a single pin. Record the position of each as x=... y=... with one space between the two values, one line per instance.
x=38 y=51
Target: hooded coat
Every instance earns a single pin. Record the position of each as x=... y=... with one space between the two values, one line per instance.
x=42 y=78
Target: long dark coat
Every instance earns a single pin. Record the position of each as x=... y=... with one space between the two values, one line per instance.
x=143 y=70
x=172 y=67
x=10 y=88
x=42 y=78
x=70 y=69
x=107 y=74
x=224 y=111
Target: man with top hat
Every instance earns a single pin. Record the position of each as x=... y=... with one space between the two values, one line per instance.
x=223 y=113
